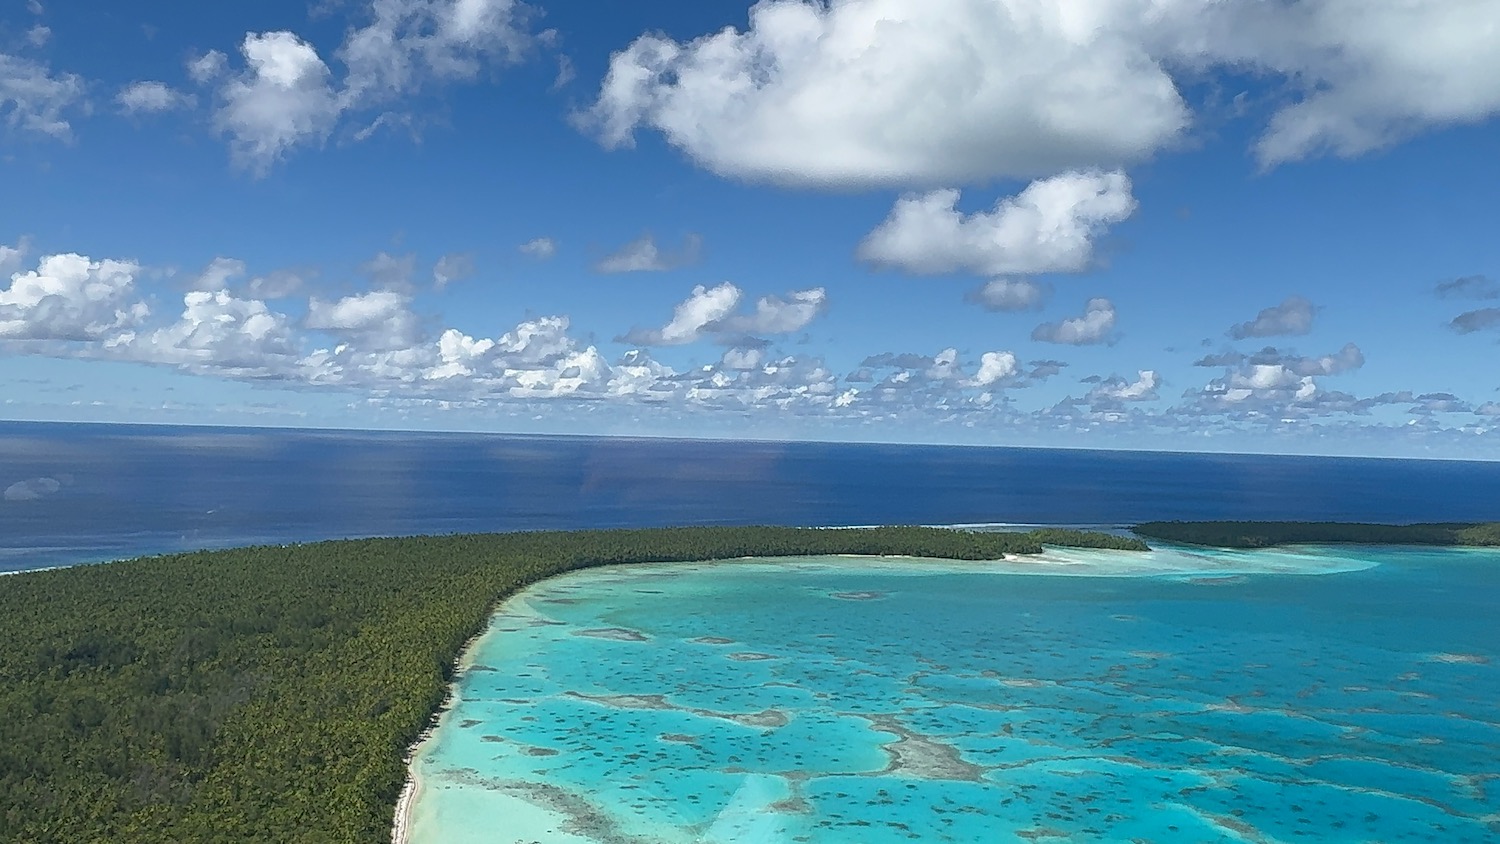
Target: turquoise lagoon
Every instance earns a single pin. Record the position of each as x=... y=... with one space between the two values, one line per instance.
x=1315 y=695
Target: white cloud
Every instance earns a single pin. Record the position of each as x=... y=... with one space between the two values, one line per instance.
x=1366 y=74
x=390 y=272
x=775 y=315
x=377 y=320
x=287 y=96
x=1276 y=384
x=710 y=311
x=33 y=99
x=282 y=99
x=1292 y=317
x=995 y=367
x=536 y=341
x=1048 y=227
x=11 y=257
x=207 y=67
x=455 y=266
x=540 y=248
x=70 y=297
x=743 y=359
x=222 y=334
x=1094 y=326
x=1143 y=388
x=1009 y=294
x=218 y=274
x=860 y=93
x=277 y=284
x=151 y=98
x=458 y=352
x=885 y=92
x=643 y=255
x=411 y=42
x=38 y=35
x=705 y=307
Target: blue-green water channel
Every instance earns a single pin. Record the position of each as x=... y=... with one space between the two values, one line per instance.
x=1316 y=695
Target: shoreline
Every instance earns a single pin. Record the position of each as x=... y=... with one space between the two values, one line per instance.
x=411 y=789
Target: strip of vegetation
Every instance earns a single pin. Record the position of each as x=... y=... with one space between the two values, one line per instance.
x=1066 y=538
x=269 y=694
x=1266 y=534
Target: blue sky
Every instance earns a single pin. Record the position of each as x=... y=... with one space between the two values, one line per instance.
x=1181 y=224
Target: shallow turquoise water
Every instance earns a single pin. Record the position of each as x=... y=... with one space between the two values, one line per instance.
x=843 y=700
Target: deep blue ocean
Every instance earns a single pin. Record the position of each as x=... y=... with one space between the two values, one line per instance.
x=83 y=492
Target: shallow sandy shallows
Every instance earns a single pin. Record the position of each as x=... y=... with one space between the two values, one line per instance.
x=898 y=700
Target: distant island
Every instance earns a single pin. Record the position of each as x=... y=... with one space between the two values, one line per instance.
x=271 y=693
x=1267 y=534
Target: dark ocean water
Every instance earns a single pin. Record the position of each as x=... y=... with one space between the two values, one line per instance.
x=78 y=493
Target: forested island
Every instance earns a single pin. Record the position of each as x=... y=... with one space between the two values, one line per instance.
x=270 y=693
x=1266 y=534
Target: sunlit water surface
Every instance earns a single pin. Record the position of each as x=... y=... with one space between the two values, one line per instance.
x=1317 y=695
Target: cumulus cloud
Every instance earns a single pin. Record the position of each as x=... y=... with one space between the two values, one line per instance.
x=540 y=248
x=1094 y=326
x=224 y=273
x=71 y=297
x=880 y=93
x=874 y=92
x=1009 y=294
x=643 y=255
x=742 y=359
x=1478 y=320
x=1292 y=317
x=1365 y=75
x=222 y=334
x=207 y=67
x=705 y=307
x=994 y=368
x=287 y=96
x=1468 y=287
x=455 y=266
x=219 y=273
x=411 y=43
x=151 y=97
x=34 y=99
x=1115 y=388
x=1049 y=227
x=1344 y=360
x=39 y=35
x=711 y=312
x=11 y=257
x=1278 y=383
x=283 y=98
x=379 y=319
x=777 y=315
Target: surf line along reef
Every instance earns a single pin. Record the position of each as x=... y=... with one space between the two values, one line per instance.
x=271 y=693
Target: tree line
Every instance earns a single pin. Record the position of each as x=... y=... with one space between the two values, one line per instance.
x=1267 y=534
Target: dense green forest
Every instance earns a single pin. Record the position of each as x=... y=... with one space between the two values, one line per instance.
x=269 y=694
x=1265 y=534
